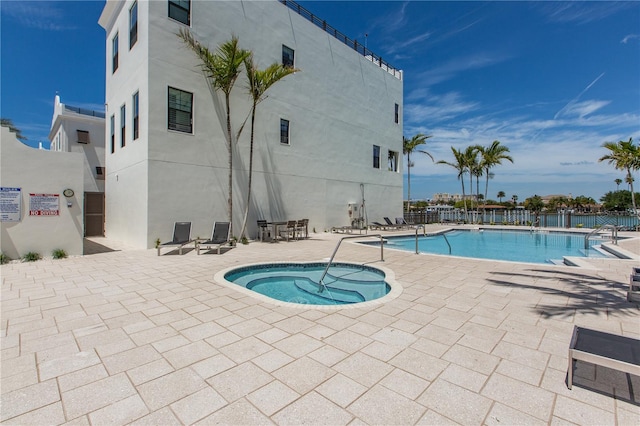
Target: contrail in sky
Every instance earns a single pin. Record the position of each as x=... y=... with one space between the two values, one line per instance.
x=574 y=100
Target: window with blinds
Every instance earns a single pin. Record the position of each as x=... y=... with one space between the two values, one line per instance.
x=83 y=136
x=180 y=11
x=180 y=110
x=133 y=24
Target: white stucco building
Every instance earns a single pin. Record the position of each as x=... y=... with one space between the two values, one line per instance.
x=82 y=130
x=326 y=136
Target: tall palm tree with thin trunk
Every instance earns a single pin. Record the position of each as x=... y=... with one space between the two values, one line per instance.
x=492 y=156
x=501 y=195
x=473 y=166
x=618 y=182
x=460 y=164
x=624 y=155
x=222 y=69
x=258 y=82
x=409 y=146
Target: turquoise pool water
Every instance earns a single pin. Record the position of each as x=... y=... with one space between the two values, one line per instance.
x=517 y=246
x=298 y=282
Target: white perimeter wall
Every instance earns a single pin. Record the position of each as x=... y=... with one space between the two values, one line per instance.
x=339 y=105
x=41 y=172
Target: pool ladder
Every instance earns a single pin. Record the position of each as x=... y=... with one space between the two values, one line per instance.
x=424 y=234
x=321 y=285
x=614 y=234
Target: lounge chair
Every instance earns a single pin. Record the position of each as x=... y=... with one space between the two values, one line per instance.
x=181 y=237
x=219 y=237
x=391 y=224
x=378 y=225
x=403 y=223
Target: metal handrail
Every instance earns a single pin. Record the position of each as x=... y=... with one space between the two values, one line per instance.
x=614 y=234
x=424 y=234
x=321 y=284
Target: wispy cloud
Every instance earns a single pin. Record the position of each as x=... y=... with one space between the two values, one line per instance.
x=628 y=37
x=459 y=65
x=436 y=108
x=41 y=15
x=581 y=12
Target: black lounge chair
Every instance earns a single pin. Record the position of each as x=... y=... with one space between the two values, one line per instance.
x=391 y=224
x=181 y=237
x=219 y=237
x=378 y=225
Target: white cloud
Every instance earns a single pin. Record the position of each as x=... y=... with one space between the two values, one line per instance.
x=459 y=65
x=628 y=37
x=40 y=15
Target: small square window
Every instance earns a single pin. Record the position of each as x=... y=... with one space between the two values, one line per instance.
x=99 y=173
x=287 y=56
x=376 y=157
x=83 y=136
x=180 y=10
x=284 y=131
x=133 y=24
x=393 y=161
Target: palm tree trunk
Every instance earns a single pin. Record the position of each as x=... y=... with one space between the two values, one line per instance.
x=230 y=150
x=408 y=180
x=464 y=200
x=633 y=195
x=246 y=207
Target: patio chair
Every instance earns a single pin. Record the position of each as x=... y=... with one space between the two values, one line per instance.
x=390 y=224
x=263 y=229
x=403 y=223
x=219 y=237
x=378 y=225
x=289 y=230
x=302 y=228
x=181 y=237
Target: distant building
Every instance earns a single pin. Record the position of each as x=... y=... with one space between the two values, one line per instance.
x=81 y=130
x=444 y=197
x=327 y=137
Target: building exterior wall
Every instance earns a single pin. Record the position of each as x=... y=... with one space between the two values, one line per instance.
x=339 y=105
x=37 y=171
x=64 y=137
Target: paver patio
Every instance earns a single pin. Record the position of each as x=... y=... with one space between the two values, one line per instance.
x=126 y=337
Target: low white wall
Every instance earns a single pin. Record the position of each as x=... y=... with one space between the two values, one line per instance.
x=37 y=171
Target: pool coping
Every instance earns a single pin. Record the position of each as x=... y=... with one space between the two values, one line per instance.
x=389 y=278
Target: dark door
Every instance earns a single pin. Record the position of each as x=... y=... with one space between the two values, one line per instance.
x=94 y=214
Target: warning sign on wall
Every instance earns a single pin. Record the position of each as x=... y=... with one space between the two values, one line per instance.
x=10 y=204
x=44 y=204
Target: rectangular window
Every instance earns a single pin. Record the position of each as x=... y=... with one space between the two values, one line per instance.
x=113 y=133
x=397 y=113
x=136 y=113
x=393 y=161
x=123 y=126
x=376 y=157
x=83 y=136
x=180 y=11
x=99 y=173
x=114 y=49
x=133 y=24
x=180 y=110
x=284 y=131
x=287 y=56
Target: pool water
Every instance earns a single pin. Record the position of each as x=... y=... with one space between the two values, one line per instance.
x=298 y=282
x=517 y=246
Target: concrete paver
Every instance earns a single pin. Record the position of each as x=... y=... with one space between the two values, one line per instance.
x=126 y=337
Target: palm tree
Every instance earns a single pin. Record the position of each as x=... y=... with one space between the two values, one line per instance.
x=258 y=82
x=624 y=155
x=492 y=156
x=409 y=146
x=473 y=166
x=501 y=195
x=222 y=69
x=460 y=164
x=618 y=182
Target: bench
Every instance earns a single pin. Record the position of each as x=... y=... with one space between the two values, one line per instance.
x=608 y=350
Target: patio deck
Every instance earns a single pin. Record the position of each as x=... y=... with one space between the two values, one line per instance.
x=125 y=336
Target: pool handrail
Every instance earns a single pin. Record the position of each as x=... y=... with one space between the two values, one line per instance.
x=614 y=234
x=424 y=234
x=321 y=284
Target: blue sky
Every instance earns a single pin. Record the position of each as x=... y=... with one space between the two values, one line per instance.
x=550 y=80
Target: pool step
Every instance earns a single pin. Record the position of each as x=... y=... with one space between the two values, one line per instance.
x=331 y=293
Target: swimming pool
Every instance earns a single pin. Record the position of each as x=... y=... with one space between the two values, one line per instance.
x=516 y=246
x=344 y=283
